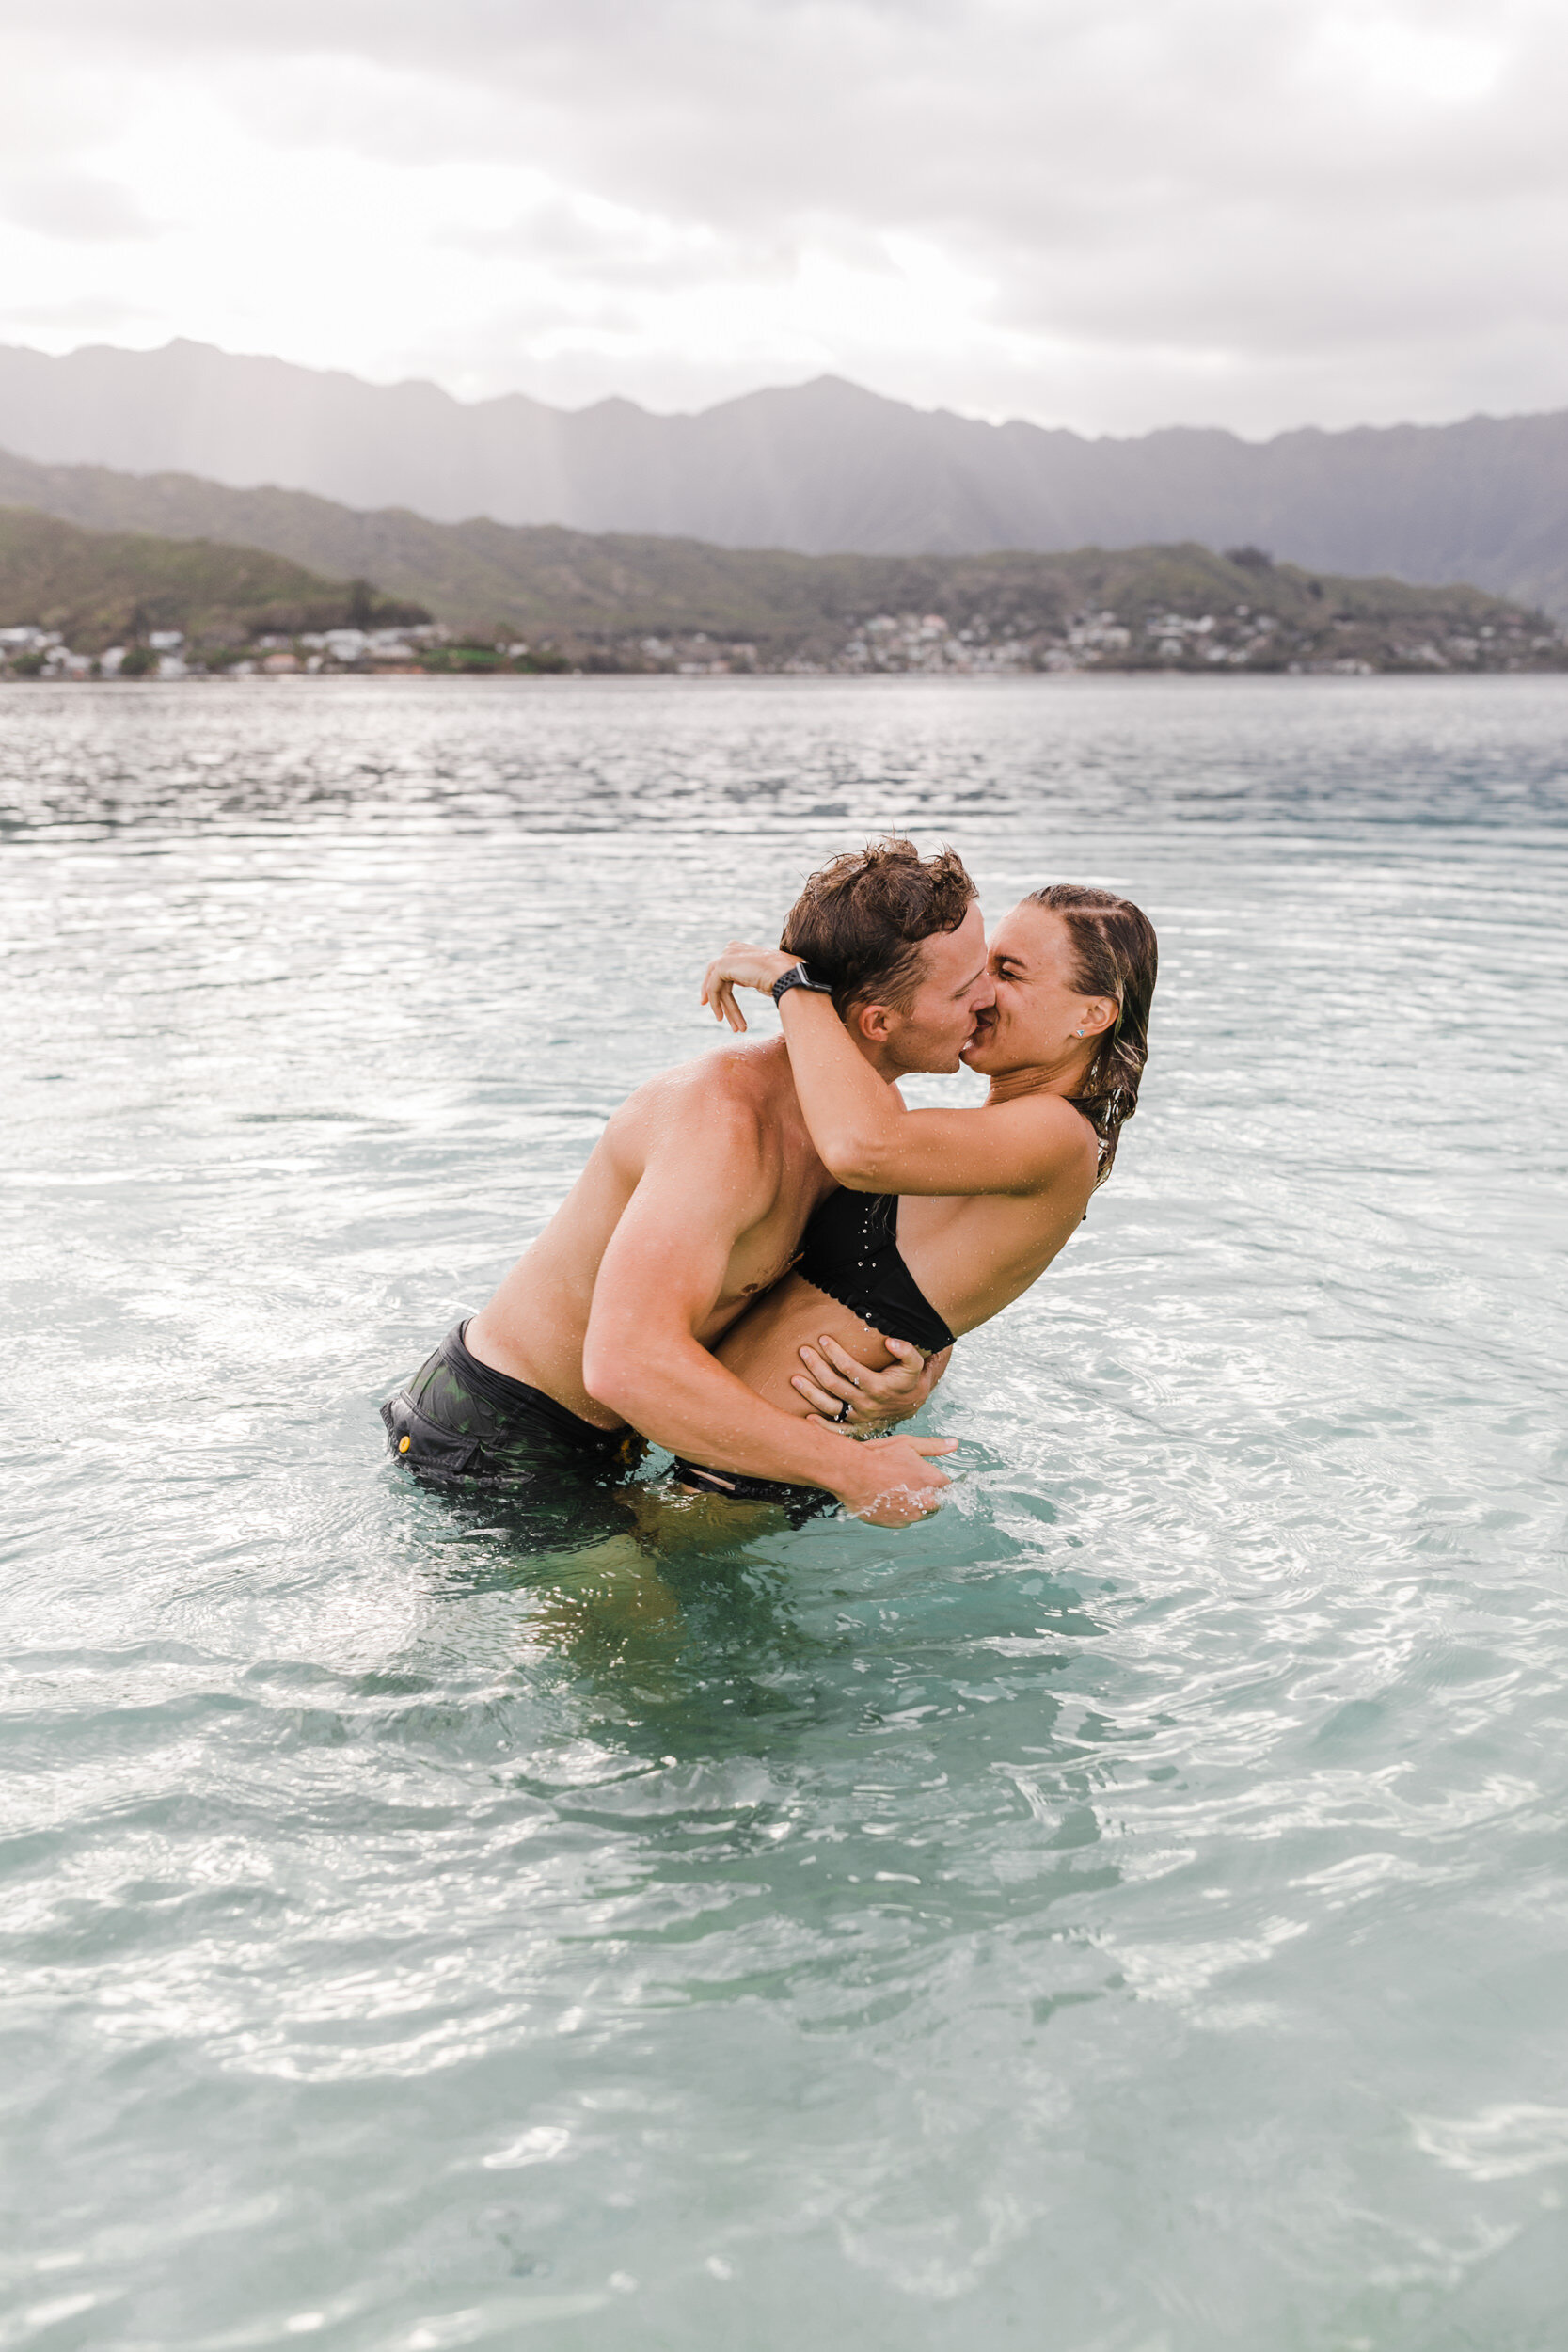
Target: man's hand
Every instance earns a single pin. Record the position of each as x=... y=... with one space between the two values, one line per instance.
x=851 y=1396
x=892 y=1481
x=742 y=967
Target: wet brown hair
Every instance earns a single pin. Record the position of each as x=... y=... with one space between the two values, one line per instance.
x=861 y=919
x=1115 y=954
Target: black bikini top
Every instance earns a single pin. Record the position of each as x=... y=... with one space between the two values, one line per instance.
x=850 y=1250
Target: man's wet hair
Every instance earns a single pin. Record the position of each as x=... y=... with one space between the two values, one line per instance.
x=860 y=921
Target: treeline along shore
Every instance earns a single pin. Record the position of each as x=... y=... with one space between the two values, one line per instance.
x=81 y=602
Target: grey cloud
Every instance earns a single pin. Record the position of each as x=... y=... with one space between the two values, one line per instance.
x=76 y=205
x=1246 y=185
x=981 y=121
x=1281 y=281
x=83 y=314
x=625 y=253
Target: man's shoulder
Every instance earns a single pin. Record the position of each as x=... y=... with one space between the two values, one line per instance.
x=728 y=1099
x=745 y=1082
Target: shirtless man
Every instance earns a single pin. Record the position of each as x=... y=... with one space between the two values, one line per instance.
x=692 y=1203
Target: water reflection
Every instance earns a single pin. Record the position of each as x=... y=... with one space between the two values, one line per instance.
x=401 y=758
x=419 y=1934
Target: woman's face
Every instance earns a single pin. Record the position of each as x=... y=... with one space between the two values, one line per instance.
x=1037 y=1008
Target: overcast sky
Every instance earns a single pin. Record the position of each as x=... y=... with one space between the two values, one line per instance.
x=1108 y=213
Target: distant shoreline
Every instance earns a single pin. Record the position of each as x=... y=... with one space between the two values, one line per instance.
x=559 y=679
x=83 y=603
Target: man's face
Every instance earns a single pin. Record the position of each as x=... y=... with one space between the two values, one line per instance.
x=956 y=988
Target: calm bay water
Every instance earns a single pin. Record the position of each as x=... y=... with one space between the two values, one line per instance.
x=1126 y=1915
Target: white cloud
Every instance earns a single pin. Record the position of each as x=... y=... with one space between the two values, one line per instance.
x=79 y=207
x=1249 y=211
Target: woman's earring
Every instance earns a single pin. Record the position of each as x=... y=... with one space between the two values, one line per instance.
x=1078 y=1033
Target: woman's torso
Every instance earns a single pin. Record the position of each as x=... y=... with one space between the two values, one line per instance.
x=969 y=1255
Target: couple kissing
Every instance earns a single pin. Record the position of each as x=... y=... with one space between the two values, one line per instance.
x=766 y=1260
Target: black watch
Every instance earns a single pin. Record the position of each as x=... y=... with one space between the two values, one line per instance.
x=799 y=976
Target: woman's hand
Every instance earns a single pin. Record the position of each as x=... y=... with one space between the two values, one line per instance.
x=741 y=966
x=852 y=1397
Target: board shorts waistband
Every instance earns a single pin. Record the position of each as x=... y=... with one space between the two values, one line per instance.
x=517 y=1396
x=802 y=1502
x=459 y=1419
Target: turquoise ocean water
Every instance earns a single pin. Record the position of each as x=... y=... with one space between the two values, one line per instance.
x=1126 y=1915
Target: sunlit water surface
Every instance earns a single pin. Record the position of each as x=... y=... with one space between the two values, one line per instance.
x=1127 y=1914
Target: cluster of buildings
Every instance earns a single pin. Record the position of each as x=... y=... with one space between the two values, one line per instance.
x=1089 y=639
x=903 y=645
x=1232 y=642
x=927 y=641
x=33 y=652
x=313 y=650
x=698 y=655
x=29 y=651
x=1239 y=639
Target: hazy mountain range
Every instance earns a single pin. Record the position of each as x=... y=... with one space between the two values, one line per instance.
x=821 y=469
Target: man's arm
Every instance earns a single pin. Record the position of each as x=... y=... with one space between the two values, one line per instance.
x=864 y=1132
x=872 y=1142
x=658 y=1282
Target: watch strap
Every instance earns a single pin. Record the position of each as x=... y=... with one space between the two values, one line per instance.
x=799 y=976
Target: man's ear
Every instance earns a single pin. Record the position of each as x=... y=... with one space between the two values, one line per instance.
x=872 y=1022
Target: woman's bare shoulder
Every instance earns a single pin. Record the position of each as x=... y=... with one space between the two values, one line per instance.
x=1062 y=1138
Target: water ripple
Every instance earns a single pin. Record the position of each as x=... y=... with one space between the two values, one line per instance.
x=1128 y=1906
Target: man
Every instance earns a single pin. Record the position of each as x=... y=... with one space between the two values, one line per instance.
x=693 y=1203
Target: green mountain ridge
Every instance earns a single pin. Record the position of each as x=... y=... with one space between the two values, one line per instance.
x=224 y=564
x=97 y=588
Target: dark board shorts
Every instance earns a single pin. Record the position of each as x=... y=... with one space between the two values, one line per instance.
x=462 y=1425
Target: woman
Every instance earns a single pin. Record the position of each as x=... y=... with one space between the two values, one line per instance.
x=945 y=1216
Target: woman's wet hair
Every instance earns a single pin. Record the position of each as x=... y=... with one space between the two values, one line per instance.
x=1115 y=954
x=861 y=919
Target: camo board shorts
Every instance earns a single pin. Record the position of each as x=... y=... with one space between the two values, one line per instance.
x=462 y=1425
